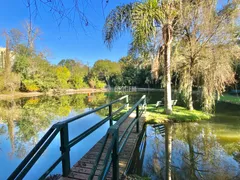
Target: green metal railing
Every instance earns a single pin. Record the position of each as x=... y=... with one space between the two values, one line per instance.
x=117 y=142
x=65 y=144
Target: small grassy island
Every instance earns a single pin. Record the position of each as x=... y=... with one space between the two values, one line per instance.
x=179 y=114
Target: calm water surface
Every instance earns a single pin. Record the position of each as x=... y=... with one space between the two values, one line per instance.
x=213 y=145
x=24 y=121
x=188 y=151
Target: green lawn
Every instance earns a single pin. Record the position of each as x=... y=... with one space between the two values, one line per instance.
x=180 y=114
x=230 y=98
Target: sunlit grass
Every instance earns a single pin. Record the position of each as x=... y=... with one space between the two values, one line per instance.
x=136 y=177
x=180 y=114
x=230 y=98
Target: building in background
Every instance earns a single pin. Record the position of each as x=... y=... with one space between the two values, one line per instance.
x=3 y=57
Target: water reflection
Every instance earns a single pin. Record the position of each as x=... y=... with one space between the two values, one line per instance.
x=24 y=118
x=24 y=121
x=186 y=151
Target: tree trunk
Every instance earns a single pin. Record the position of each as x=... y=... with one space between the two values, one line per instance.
x=167 y=36
x=190 y=101
x=7 y=59
x=185 y=88
x=168 y=91
x=190 y=86
x=107 y=81
x=2 y=60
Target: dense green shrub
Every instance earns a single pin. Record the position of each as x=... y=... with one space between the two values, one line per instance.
x=63 y=75
x=99 y=84
x=30 y=85
x=78 y=82
x=9 y=82
x=95 y=83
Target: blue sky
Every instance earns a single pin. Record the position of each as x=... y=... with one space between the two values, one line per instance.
x=64 y=41
x=85 y=44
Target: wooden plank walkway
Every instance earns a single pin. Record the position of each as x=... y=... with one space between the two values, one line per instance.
x=82 y=169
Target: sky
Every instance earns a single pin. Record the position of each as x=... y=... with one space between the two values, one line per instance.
x=64 y=41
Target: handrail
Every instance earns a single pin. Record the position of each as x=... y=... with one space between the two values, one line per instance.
x=125 y=116
x=87 y=132
x=66 y=144
x=33 y=152
x=92 y=111
x=116 y=143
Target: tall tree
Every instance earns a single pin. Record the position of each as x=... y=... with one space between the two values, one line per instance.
x=143 y=19
x=106 y=69
x=7 y=57
x=78 y=71
x=206 y=33
x=32 y=34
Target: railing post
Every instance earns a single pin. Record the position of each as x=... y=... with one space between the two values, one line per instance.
x=65 y=150
x=137 y=117
x=115 y=156
x=145 y=104
x=110 y=114
x=127 y=102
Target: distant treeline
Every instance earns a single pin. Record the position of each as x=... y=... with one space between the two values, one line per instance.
x=31 y=72
x=23 y=68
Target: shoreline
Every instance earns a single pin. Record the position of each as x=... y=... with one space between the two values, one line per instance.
x=16 y=95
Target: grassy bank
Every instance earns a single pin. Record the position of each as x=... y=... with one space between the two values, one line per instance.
x=230 y=98
x=180 y=114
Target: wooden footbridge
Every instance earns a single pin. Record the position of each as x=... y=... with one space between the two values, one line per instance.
x=109 y=158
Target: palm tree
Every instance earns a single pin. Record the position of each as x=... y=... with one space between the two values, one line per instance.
x=143 y=19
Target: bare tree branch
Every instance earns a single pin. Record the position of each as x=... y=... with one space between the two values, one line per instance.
x=73 y=11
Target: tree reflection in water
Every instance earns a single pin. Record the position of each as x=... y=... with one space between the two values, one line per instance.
x=23 y=120
x=185 y=151
x=168 y=147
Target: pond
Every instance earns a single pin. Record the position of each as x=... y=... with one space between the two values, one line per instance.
x=24 y=121
x=187 y=151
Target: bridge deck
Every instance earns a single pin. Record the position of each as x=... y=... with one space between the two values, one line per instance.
x=82 y=169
